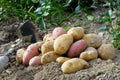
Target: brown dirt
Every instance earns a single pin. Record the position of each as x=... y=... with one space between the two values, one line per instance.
x=98 y=70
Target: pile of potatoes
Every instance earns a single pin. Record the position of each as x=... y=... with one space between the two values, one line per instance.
x=72 y=49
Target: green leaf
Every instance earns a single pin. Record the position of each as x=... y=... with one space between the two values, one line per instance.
x=42 y=24
x=103 y=28
x=68 y=3
x=77 y=9
x=1 y=11
x=118 y=23
x=90 y=17
x=38 y=11
x=35 y=1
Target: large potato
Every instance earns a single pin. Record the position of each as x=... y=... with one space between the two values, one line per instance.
x=93 y=40
x=62 y=43
x=76 y=32
x=61 y=60
x=106 y=51
x=89 y=54
x=49 y=57
x=30 y=52
x=76 y=48
x=73 y=65
x=48 y=37
x=47 y=46
x=57 y=32
x=19 y=55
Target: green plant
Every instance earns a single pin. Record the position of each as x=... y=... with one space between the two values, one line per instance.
x=109 y=16
x=116 y=35
x=23 y=9
x=49 y=11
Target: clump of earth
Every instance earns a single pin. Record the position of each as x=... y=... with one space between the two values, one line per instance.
x=99 y=69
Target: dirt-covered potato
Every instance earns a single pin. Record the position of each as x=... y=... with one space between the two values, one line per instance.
x=29 y=53
x=47 y=46
x=61 y=60
x=74 y=65
x=39 y=45
x=93 y=40
x=49 y=57
x=106 y=51
x=76 y=32
x=89 y=54
x=62 y=43
x=57 y=32
x=19 y=55
x=76 y=48
x=35 y=61
x=48 y=37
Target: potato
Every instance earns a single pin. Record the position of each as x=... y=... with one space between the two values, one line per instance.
x=49 y=57
x=106 y=51
x=48 y=37
x=76 y=32
x=89 y=54
x=35 y=61
x=47 y=46
x=61 y=60
x=57 y=32
x=93 y=40
x=30 y=52
x=62 y=43
x=39 y=45
x=19 y=55
x=76 y=48
x=73 y=65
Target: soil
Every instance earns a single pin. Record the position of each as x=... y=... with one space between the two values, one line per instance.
x=99 y=69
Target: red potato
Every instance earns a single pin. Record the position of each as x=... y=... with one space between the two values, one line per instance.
x=31 y=51
x=35 y=61
x=76 y=48
x=57 y=32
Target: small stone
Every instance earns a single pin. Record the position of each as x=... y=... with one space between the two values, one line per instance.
x=8 y=71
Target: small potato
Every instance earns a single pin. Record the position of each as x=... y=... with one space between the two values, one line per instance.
x=48 y=37
x=35 y=61
x=76 y=32
x=30 y=52
x=89 y=54
x=76 y=48
x=106 y=51
x=57 y=32
x=93 y=40
x=61 y=60
x=39 y=45
x=47 y=46
x=49 y=57
x=19 y=55
x=74 y=65
x=62 y=43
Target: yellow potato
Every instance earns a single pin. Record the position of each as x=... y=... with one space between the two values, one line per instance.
x=61 y=60
x=47 y=46
x=39 y=45
x=106 y=51
x=93 y=40
x=19 y=55
x=48 y=37
x=76 y=32
x=89 y=54
x=49 y=57
x=62 y=43
x=74 y=65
